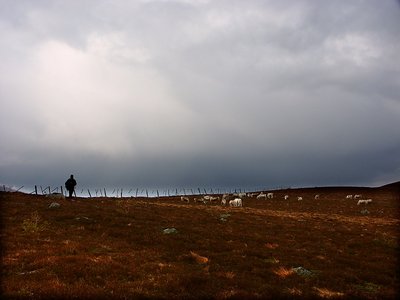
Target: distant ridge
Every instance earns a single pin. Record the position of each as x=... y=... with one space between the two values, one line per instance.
x=392 y=185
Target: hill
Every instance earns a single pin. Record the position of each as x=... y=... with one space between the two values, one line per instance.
x=119 y=248
x=392 y=185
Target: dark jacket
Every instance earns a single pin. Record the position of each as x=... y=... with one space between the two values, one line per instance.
x=70 y=184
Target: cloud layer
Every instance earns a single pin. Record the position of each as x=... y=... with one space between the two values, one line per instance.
x=200 y=93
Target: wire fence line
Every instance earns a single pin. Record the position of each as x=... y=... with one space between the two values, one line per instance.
x=136 y=192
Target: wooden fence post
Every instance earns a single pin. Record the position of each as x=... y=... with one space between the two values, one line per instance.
x=105 y=194
x=158 y=195
x=89 y=193
x=35 y=189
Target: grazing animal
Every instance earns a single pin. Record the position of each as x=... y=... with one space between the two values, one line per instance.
x=349 y=197
x=208 y=198
x=262 y=195
x=286 y=197
x=316 y=197
x=213 y=198
x=225 y=198
x=236 y=202
x=270 y=195
x=299 y=198
x=357 y=196
x=366 y=201
x=200 y=200
x=186 y=199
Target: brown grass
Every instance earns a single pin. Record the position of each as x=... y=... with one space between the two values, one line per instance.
x=116 y=248
x=325 y=293
x=198 y=258
x=283 y=272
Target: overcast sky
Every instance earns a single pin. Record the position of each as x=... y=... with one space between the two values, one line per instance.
x=186 y=93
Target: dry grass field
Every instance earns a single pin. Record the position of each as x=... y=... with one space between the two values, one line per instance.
x=108 y=248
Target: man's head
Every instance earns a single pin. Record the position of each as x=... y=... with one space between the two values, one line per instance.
x=72 y=177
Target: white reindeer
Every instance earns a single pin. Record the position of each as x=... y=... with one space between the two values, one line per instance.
x=366 y=201
x=186 y=199
x=213 y=198
x=236 y=202
x=199 y=200
x=261 y=196
x=270 y=195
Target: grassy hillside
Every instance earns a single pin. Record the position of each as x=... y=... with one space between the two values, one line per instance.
x=276 y=248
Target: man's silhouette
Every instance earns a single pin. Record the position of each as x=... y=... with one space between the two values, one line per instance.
x=70 y=185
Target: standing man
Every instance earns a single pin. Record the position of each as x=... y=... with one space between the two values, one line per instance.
x=70 y=185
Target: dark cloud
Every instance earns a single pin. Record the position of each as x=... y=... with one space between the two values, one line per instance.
x=199 y=93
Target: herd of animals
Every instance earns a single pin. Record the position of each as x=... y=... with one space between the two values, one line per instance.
x=237 y=200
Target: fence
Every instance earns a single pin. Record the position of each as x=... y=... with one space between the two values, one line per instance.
x=137 y=192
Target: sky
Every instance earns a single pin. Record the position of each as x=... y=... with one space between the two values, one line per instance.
x=185 y=93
